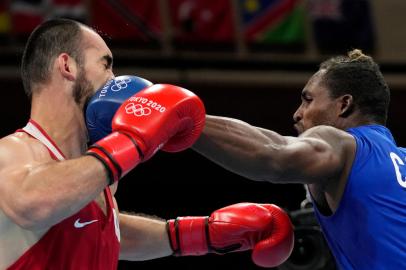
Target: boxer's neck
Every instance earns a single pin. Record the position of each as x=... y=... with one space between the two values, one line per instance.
x=62 y=119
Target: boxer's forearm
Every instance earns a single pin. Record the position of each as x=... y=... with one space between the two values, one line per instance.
x=143 y=238
x=240 y=147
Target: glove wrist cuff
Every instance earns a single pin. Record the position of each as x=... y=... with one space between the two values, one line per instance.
x=188 y=235
x=118 y=152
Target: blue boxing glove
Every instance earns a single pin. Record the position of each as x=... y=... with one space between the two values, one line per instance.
x=105 y=102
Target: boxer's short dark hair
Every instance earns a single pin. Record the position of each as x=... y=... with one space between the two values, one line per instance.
x=45 y=43
x=358 y=75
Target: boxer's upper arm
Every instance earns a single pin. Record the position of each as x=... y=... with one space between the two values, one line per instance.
x=36 y=191
x=318 y=155
x=18 y=155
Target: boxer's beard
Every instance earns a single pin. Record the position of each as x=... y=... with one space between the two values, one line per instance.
x=82 y=89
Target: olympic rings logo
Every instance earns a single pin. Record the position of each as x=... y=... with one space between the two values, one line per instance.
x=120 y=84
x=137 y=109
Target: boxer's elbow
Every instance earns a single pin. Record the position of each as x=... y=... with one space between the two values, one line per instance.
x=28 y=213
x=305 y=161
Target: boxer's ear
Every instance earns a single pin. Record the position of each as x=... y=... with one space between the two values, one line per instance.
x=67 y=66
x=347 y=105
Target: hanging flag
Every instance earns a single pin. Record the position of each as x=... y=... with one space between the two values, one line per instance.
x=274 y=22
x=202 y=21
x=127 y=19
x=72 y=9
x=342 y=25
x=5 y=24
x=25 y=15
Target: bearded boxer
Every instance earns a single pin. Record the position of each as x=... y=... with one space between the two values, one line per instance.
x=57 y=207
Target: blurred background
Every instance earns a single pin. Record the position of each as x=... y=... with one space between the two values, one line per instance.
x=247 y=59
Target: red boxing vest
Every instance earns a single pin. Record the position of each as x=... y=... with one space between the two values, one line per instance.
x=87 y=240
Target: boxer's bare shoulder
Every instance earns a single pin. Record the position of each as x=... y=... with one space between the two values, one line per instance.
x=22 y=147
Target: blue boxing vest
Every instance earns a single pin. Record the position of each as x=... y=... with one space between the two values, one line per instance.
x=368 y=229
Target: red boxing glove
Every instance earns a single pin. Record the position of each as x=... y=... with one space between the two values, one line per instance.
x=265 y=228
x=159 y=116
x=162 y=116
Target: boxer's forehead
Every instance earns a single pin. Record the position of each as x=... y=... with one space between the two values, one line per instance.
x=93 y=41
